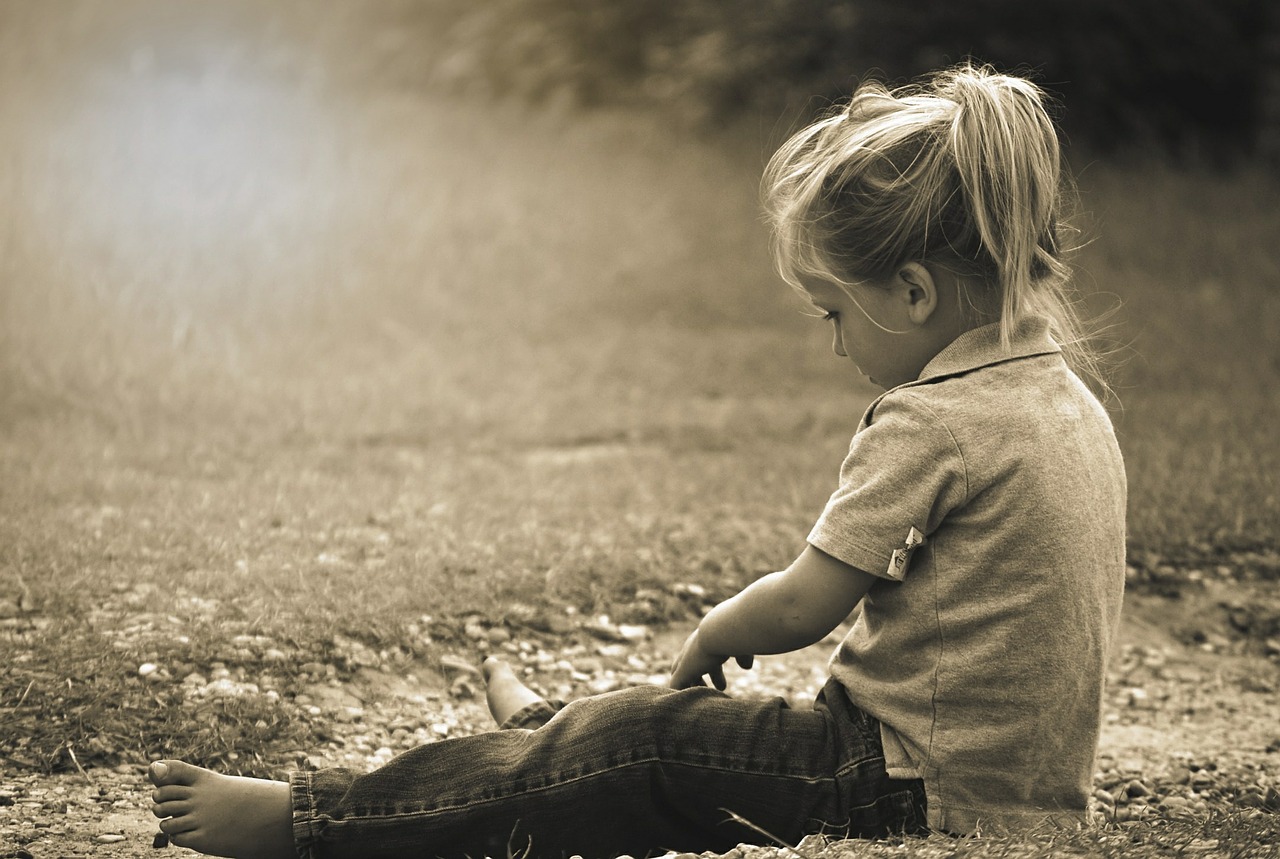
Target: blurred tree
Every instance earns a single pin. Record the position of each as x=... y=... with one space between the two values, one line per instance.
x=1180 y=72
x=1269 y=88
x=1188 y=74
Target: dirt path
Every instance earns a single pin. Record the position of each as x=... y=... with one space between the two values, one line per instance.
x=1191 y=723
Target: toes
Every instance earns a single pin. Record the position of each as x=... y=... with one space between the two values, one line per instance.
x=172 y=772
x=184 y=839
x=170 y=792
x=171 y=809
x=177 y=825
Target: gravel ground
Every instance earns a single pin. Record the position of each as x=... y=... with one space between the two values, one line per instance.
x=1191 y=722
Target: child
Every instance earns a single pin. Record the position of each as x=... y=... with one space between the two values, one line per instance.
x=978 y=525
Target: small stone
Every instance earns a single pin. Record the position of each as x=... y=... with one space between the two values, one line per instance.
x=688 y=589
x=603 y=629
x=146 y=669
x=588 y=665
x=1104 y=797
x=449 y=662
x=110 y=838
x=606 y=683
x=1131 y=765
x=1251 y=797
x=1176 y=806
x=1136 y=788
x=161 y=840
x=633 y=633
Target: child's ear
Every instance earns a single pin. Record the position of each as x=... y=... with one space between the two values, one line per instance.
x=918 y=290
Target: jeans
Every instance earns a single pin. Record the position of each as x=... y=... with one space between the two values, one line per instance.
x=638 y=771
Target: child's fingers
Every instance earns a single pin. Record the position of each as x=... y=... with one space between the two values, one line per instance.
x=745 y=661
x=682 y=679
x=717 y=677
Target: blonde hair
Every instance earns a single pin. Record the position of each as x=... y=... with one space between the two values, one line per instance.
x=962 y=170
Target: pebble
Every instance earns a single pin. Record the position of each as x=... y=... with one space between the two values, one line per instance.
x=1202 y=779
x=1178 y=807
x=1136 y=788
x=1128 y=786
x=450 y=662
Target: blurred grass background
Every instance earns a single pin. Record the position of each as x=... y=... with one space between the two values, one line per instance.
x=343 y=316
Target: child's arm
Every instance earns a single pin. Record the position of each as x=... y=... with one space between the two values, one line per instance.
x=778 y=613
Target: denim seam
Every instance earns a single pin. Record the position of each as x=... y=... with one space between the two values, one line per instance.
x=856 y=764
x=644 y=762
x=304 y=814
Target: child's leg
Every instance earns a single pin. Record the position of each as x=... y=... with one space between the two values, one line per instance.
x=250 y=818
x=223 y=815
x=636 y=771
x=632 y=772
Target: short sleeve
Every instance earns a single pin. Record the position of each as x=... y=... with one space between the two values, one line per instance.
x=903 y=475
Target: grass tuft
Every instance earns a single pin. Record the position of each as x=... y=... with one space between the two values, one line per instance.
x=83 y=704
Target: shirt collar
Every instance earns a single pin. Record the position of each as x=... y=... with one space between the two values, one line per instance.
x=981 y=347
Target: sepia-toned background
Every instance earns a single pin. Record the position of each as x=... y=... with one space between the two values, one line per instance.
x=320 y=319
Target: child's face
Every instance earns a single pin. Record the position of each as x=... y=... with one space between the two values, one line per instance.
x=878 y=354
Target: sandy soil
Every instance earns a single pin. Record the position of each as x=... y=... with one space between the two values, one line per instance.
x=1190 y=722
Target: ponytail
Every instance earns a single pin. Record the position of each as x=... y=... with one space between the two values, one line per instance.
x=963 y=170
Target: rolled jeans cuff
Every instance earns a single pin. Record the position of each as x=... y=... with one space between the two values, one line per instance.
x=306 y=823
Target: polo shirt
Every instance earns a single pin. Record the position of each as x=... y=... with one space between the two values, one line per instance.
x=988 y=497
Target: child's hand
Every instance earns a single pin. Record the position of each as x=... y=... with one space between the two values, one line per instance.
x=694 y=662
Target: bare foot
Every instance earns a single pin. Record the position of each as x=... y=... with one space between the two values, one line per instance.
x=504 y=691
x=222 y=815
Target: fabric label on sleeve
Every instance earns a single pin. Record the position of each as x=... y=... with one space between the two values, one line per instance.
x=902 y=556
